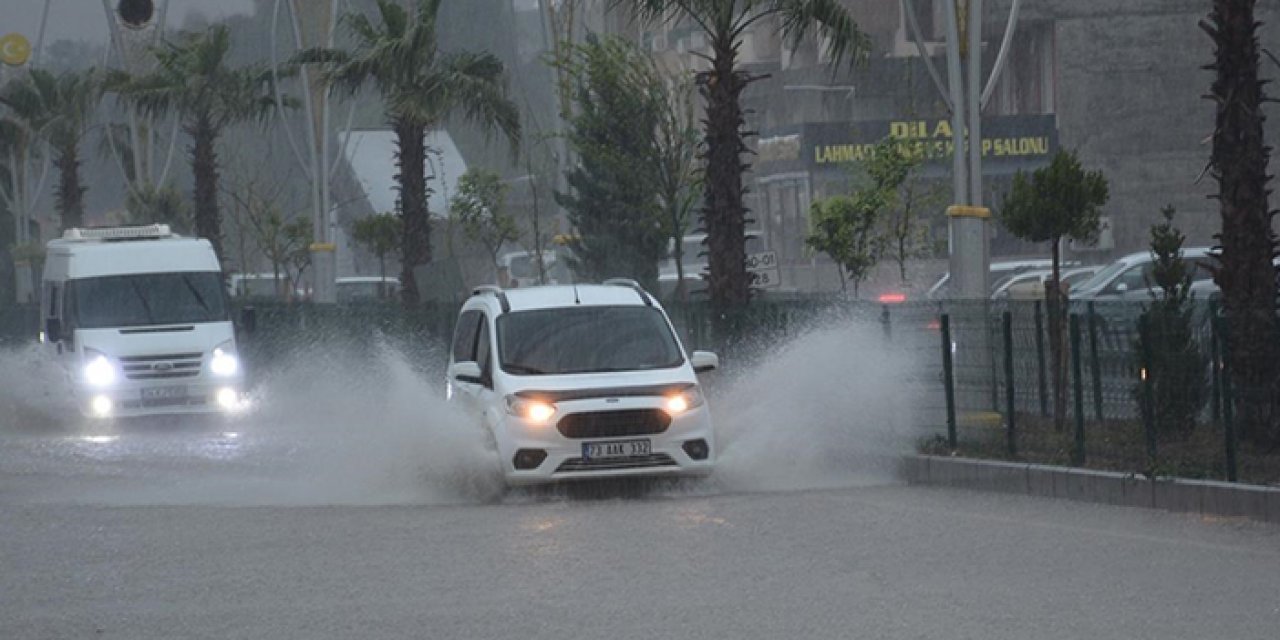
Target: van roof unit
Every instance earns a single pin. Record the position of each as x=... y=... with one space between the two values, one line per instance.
x=109 y=234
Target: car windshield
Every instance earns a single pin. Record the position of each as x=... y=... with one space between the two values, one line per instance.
x=147 y=299
x=1102 y=277
x=586 y=340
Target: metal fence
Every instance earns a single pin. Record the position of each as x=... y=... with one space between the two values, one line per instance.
x=1141 y=392
x=982 y=381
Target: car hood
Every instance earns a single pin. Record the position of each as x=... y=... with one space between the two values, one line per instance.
x=601 y=383
x=154 y=341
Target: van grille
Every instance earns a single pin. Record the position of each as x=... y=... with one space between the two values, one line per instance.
x=162 y=367
x=612 y=424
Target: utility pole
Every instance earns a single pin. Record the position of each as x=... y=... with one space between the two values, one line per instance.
x=965 y=95
x=312 y=24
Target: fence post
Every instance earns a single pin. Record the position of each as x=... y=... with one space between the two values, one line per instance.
x=1042 y=378
x=1148 y=391
x=1008 y=382
x=1215 y=357
x=948 y=380
x=1096 y=363
x=1077 y=376
x=995 y=370
x=1228 y=402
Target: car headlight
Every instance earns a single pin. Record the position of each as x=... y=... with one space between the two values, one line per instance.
x=224 y=361
x=535 y=411
x=98 y=370
x=683 y=400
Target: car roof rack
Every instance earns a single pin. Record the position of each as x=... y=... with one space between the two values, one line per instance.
x=497 y=292
x=135 y=232
x=627 y=282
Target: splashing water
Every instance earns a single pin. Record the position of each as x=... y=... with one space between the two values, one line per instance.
x=337 y=426
x=825 y=409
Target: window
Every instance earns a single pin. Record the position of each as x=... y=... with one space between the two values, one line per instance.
x=464 y=336
x=483 y=349
x=148 y=299
x=586 y=339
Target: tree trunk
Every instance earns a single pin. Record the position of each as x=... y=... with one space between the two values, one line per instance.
x=204 y=167
x=724 y=214
x=411 y=158
x=70 y=194
x=1247 y=276
x=1057 y=339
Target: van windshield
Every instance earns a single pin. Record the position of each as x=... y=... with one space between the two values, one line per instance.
x=146 y=299
x=586 y=340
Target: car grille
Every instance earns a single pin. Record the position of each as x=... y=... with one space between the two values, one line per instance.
x=612 y=424
x=605 y=464
x=190 y=401
x=161 y=367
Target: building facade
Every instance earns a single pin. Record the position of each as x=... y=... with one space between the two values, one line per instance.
x=1119 y=82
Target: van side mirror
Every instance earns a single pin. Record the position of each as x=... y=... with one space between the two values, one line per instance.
x=53 y=330
x=468 y=372
x=704 y=361
x=248 y=319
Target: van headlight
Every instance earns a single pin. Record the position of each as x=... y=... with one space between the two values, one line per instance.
x=535 y=411
x=98 y=370
x=683 y=400
x=224 y=361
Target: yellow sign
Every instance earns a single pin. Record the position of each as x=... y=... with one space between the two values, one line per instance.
x=1016 y=140
x=15 y=49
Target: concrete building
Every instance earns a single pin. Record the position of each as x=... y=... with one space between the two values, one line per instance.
x=1120 y=82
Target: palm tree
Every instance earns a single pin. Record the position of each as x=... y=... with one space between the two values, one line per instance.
x=725 y=23
x=1239 y=163
x=57 y=109
x=420 y=86
x=192 y=79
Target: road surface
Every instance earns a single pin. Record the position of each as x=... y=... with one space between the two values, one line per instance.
x=206 y=533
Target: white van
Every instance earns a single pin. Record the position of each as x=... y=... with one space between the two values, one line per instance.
x=139 y=318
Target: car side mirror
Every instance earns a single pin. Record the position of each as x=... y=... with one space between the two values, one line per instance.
x=704 y=361
x=468 y=372
x=1122 y=287
x=53 y=330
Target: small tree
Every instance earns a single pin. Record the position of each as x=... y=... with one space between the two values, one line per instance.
x=297 y=237
x=613 y=200
x=1059 y=201
x=844 y=227
x=480 y=206
x=378 y=234
x=151 y=204
x=1177 y=365
x=908 y=199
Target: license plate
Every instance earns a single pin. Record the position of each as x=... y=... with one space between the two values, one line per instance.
x=164 y=393
x=615 y=449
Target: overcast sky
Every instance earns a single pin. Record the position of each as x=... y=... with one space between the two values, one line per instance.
x=86 y=19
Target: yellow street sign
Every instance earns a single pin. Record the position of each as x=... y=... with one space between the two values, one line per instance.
x=14 y=49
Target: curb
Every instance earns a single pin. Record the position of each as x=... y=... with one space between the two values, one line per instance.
x=1204 y=497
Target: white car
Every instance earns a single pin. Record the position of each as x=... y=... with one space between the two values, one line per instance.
x=1129 y=279
x=581 y=381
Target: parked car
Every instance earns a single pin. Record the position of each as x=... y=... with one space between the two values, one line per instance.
x=265 y=286
x=1130 y=277
x=1031 y=284
x=581 y=381
x=364 y=288
x=999 y=271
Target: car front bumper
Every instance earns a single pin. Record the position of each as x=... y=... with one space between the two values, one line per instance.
x=668 y=451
